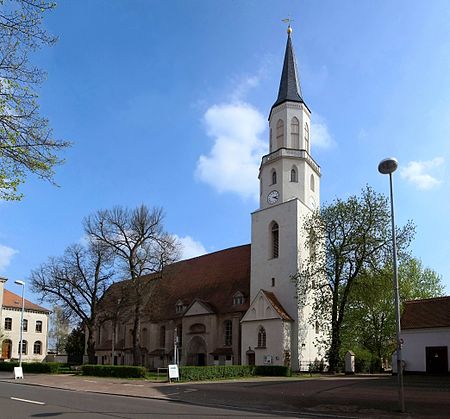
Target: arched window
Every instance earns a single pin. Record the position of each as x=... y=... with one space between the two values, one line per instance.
x=25 y=325
x=311 y=183
x=274 y=177
x=162 y=336
x=271 y=140
x=228 y=332
x=306 y=137
x=24 y=347
x=294 y=177
x=275 y=239
x=8 y=323
x=295 y=133
x=37 y=347
x=280 y=133
x=38 y=326
x=261 y=337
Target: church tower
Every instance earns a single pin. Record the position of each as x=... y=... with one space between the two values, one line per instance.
x=289 y=192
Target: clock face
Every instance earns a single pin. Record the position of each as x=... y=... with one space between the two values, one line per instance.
x=273 y=197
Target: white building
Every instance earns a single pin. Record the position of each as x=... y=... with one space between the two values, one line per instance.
x=426 y=335
x=35 y=327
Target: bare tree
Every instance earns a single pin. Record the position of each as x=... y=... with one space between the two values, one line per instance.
x=76 y=281
x=26 y=140
x=140 y=245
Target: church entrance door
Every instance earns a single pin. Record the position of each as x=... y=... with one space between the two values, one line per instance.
x=197 y=351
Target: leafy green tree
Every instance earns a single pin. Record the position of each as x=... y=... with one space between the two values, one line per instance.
x=369 y=327
x=343 y=240
x=26 y=140
x=75 y=346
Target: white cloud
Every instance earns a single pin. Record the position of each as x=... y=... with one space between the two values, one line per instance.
x=6 y=254
x=320 y=136
x=421 y=173
x=233 y=161
x=190 y=247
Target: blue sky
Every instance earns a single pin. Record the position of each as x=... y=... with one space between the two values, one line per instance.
x=166 y=103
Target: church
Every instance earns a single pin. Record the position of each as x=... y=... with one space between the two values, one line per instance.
x=238 y=305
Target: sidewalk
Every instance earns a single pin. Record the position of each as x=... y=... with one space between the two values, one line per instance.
x=108 y=385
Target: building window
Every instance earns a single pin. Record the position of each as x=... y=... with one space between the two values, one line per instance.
x=295 y=133
x=273 y=282
x=238 y=298
x=25 y=325
x=306 y=137
x=317 y=327
x=274 y=177
x=37 y=347
x=162 y=336
x=271 y=140
x=311 y=183
x=38 y=326
x=261 y=337
x=294 y=177
x=228 y=332
x=275 y=240
x=8 y=323
x=179 y=308
x=280 y=133
x=24 y=347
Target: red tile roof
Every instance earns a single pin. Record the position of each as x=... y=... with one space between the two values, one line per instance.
x=421 y=314
x=277 y=305
x=12 y=300
x=213 y=278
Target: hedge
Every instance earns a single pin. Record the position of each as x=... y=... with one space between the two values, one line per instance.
x=231 y=371
x=33 y=367
x=120 y=371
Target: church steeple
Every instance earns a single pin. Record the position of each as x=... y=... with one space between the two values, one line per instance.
x=289 y=89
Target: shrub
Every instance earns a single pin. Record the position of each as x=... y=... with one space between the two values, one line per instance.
x=215 y=372
x=33 y=367
x=120 y=371
x=231 y=371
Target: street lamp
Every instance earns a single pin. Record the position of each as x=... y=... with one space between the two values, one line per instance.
x=387 y=167
x=22 y=284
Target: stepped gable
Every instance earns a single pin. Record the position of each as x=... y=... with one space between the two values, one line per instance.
x=422 y=314
x=11 y=300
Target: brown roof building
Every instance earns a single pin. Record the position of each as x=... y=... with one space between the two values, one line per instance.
x=426 y=335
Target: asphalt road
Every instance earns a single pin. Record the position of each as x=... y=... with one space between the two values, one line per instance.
x=24 y=401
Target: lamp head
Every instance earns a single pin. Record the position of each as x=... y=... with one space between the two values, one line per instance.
x=18 y=282
x=388 y=166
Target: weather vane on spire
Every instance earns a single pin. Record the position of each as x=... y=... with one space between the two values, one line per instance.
x=288 y=20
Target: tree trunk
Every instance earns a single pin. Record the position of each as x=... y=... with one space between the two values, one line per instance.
x=91 y=347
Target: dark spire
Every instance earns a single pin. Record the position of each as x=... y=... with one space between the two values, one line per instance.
x=289 y=85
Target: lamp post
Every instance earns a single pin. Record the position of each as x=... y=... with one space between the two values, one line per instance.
x=22 y=284
x=387 y=167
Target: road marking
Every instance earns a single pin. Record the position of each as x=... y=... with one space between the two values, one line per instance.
x=27 y=401
x=90 y=381
x=134 y=385
x=190 y=390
